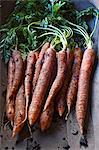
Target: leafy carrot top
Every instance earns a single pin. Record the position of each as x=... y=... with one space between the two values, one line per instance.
x=52 y=12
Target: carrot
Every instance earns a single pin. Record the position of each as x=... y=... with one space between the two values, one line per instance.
x=37 y=55
x=84 y=77
x=47 y=114
x=18 y=72
x=85 y=73
x=73 y=87
x=54 y=73
x=39 y=64
x=41 y=87
x=10 y=102
x=31 y=59
x=19 y=111
x=60 y=98
x=83 y=87
x=46 y=117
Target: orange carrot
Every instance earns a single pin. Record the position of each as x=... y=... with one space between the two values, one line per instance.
x=10 y=102
x=60 y=98
x=18 y=72
x=83 y=87
x=42 y=86
x=47 y=114
x=53 y=76
x=37 y=55
x=73 y=87
x=31 y=59
x=46 y=117
x=19 y=111
x=39 y=64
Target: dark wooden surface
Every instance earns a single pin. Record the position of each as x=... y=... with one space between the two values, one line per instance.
x=6 y=8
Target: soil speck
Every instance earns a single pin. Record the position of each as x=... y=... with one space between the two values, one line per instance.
x=74 y=132
x=66 y=147
x=64 y=139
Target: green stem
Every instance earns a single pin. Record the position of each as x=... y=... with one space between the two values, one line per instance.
x=38 y=23
x=54 y=31
x=56 y=41
x=68 y=30
x=79 y=27
x=51 y=33
x=96 y=21
x=81 y=33
x=65 y=41
x=84 y=33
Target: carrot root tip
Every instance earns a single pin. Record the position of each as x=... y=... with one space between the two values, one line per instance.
x=61 y=111
x=12 y=123
x=29 y=129
x=13 y=135
x=83 y=141
x=60 y=114
x=81 y=129
x=42 y=129
x=30 y=122
x=66 y=118
x=6 y=125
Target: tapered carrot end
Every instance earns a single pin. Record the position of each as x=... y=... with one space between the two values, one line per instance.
x=60 y=114
x=66 y=118
x=31 y=122
x=61 y=111
x=13 y=135
x=5 y=126
x=29 y=129
x=32 y=117
x=81 y=125
x=17 y=129
x=42 y=129
x=45 y=121
x=81 y=129
x=42 y=124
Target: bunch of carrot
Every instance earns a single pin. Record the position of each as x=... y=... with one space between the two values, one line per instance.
x=49 y=81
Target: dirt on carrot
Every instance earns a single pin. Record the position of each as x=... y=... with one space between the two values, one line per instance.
x=83 y=87
x=19 y=111
x=39 y=63
x=37 y=55
x=61 y=97
x=73 y=86
x=47 y=114
x=10 y=102
x=42 y=86
x=18 y=73
x=29 y=73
